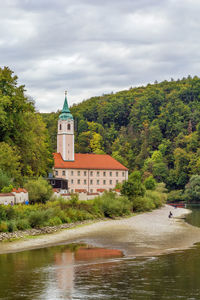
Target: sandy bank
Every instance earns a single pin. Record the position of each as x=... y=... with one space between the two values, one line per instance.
x=149 y=233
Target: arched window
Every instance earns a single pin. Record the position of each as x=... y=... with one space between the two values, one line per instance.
x=60 y=127
x=68 y=126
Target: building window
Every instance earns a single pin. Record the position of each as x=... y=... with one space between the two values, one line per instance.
x=98 y=173
x=110 y=181
x=123 y=174
x=104 y=173
x=91 y=173
x=104 y=182
x=72 y=173
x=60 y=127
x=72 y=181
x=117 y=181
x=85 y=181
x=85 y=173
x=91 y=181
x=78 y=181
x=68 y=126
x=63 y=172
x=56 y=173
x=91 y=190
x=79 y=173
x=116 y=174
x=72 y=190
x=97 y=181
x=110 y=173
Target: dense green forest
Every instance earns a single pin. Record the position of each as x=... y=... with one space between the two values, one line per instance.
x=24 y=139
x=153 y=128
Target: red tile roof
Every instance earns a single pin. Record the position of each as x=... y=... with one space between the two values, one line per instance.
x=88 y=161
x=19 y=190
x=6 y=194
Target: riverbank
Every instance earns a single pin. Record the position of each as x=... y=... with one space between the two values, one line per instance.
x=150 y=233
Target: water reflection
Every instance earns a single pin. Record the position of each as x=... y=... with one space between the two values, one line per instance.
x=82 y=272
x=67 y=261
x=48 y=273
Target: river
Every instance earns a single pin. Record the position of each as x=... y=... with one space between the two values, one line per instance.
x=83 y=272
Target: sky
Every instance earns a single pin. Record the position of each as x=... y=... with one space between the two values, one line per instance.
x=95 y=47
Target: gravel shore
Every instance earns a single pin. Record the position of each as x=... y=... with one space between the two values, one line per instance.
x=151 y=233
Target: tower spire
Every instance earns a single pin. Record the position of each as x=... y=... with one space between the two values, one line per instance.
x=65 y=114
x=65 y=136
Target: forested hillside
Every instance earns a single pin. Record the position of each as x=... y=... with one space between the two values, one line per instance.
x=24 y=139
x=155 y=129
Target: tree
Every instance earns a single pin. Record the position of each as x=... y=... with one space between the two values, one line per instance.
x=7 y=189
x=133 y=187
x=10 y=161
x=4 y=180
x=23 y=135
x=39 y=190
x=150 y=183
x=96 y=143
x=192 y=189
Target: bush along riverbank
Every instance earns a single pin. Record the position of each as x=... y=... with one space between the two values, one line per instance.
x=54 y=214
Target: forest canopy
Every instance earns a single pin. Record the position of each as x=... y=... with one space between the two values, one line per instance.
x=153 y=128
x=24 y=139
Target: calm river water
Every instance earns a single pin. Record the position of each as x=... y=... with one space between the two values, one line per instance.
x=81 y=272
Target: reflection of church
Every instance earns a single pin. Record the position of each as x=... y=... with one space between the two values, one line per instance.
x=88 y=173
x=68 y=261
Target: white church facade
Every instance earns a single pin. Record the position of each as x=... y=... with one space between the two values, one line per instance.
x=86 y=173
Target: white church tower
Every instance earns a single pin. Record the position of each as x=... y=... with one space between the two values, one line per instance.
x=65 y=136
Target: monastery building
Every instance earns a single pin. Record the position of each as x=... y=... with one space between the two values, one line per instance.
x=87 y=173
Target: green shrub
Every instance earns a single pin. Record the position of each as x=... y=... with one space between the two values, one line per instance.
x=63 y=203
x=3 y=214
x=74 y=199
x=175 y=196
x=22 y=224
x=112 y=205
x=39 y=190
x=141 y=204
x=150 y=183
x=54 y=221
x=12 y=226
x=10 y=212
x=161 y=187
x=158 y=198
x=38 y=218
x=3 y=226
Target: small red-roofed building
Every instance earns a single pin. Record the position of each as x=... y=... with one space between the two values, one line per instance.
x=7 y=198
x=21 y=195
x=86 y=173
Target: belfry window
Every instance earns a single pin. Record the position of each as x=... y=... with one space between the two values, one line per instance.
x=60 y=127
x=68 y=126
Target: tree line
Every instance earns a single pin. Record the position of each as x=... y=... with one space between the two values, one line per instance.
x=24 y=140
x=153 y=128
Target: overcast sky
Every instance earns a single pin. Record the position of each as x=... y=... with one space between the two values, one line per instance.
x=91 y=47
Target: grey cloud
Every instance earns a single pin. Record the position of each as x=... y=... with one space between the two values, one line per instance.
x=93 y=47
